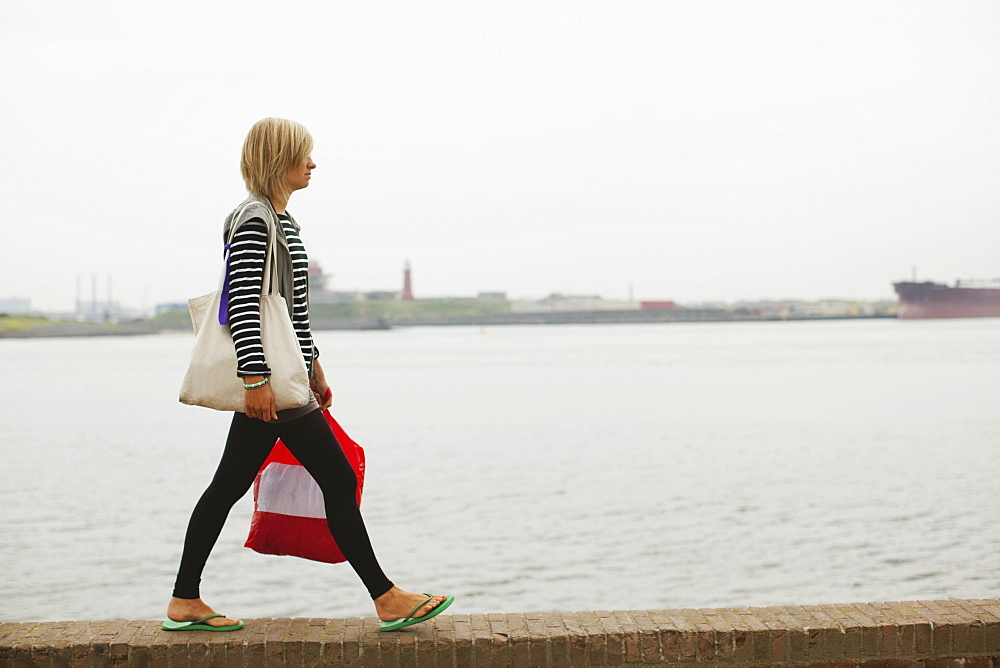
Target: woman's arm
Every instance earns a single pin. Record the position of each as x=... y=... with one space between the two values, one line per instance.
x=321 y=389
x=246 y=277
x=247 y=252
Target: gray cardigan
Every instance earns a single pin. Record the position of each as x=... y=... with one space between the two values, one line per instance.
x=257 y=206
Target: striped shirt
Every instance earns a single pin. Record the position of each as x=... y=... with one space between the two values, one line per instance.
x=246 y=277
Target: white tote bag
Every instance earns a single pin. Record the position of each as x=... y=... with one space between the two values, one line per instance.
x=211 y=379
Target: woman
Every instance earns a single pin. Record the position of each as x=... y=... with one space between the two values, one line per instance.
x=276 y=162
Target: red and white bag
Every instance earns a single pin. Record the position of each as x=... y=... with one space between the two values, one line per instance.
x=289 y=517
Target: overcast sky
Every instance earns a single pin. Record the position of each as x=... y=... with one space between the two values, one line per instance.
x=695 y=150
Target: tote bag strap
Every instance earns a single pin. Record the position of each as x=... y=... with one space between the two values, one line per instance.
x=270 y=271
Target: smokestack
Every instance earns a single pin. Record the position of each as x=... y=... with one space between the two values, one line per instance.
x=407 y=295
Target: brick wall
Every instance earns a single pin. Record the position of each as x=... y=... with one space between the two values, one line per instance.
x=873 y=635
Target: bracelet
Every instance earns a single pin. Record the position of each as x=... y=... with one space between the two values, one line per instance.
x=254 y=386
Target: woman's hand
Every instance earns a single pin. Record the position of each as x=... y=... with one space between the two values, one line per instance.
x=320 y=388
x=259 y=402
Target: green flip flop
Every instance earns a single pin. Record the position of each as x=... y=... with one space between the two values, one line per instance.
x=199 y=625
x=410 y=620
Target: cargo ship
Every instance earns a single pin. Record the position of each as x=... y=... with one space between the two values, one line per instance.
x=967 y=299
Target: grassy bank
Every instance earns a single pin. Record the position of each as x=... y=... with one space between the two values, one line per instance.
x=20 y=323
x=421 y=308
x=173 y=319
x=388 y=311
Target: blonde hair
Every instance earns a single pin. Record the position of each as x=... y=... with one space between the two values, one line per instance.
x=272 y=147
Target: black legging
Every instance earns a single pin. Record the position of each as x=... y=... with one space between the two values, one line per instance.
x=311 y=441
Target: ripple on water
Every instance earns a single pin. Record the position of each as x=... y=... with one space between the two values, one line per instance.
x=557 y=468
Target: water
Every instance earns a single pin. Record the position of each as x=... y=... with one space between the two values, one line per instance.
x=534 y=468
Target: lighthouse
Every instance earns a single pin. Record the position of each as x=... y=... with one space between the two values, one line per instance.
x=407 y=295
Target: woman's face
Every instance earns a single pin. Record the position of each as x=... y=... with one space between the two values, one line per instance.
x=298 y=175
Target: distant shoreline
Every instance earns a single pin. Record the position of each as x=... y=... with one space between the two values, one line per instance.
x=140 y=328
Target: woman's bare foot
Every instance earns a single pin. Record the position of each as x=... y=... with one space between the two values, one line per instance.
x=190 y=609
x=396 y=604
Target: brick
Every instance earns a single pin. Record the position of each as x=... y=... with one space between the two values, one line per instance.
x=649 y=638
x=631 y=626
x=218 y=653
x=118 y=643
x=294 y=641
x=977 y=662
x=274 y=649
x=836 y=612
x=72 y=646
x=705 y=641
x=743 y=645
x=944 y=663
x=9 y=630
x=936 y=606
x=482 y=640
x=322 y=641
x=38 y=641
x=558 y=645
x=384 y=649
x=676 y=619
x=20 y=656
x=578 y=649
x=961 y=639
x=680 y=645
x=175 y=648
x=905 y=613
x=424 y=646
x=676 y=646
x=855 y=614
x=922 y=638
x=100 y=645
x=871 y=642
x=888 y=644
x=595 y=641
x=797 y=648
x=350 y=649
x=197 y=651
x=938 y=616
x=462 y=642
x=873 y=616
x=974 y=611
x=761 y=648
x=977 y=637
x=991 y=632
x=371 y=641
x=906 y=639
x=517 y=638
x=816 y=644
x=781 y=644
x=614 y=636
x=835 y=643
x=891 y=663
x=941 y=639
x=502 y=645
x=749 y=637
x=852 y=635
x=333 y=634
x=139 y=646
x=538 y=639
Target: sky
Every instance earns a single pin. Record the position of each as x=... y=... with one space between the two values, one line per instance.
x=696 y=151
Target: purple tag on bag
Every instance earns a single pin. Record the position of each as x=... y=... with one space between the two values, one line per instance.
x=224 y=299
